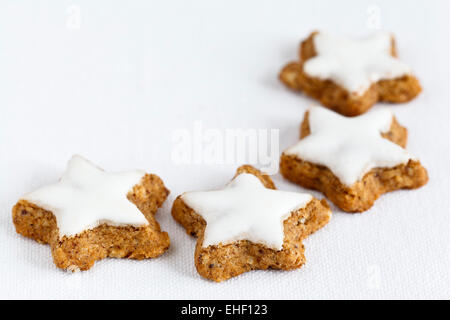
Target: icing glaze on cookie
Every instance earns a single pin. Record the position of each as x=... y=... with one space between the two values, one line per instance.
x=245 y=210
x=86 y=196
x=354 y=64
x=349 y=147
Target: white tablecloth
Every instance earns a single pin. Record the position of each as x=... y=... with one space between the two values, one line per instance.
x=115 y=80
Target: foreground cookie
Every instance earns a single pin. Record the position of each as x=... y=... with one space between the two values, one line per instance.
x=349 y=76
x=90 y=215
x=248 y=225
x=352 y=160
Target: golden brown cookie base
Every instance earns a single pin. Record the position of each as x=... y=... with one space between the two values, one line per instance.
x=221 y=262
x=333 y=96
x=81 y=251
x=362 y=194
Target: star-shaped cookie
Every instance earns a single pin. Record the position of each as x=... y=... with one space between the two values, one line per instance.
x=248 y=225
x=349 y=76
x=90 y=214
x=352 y=160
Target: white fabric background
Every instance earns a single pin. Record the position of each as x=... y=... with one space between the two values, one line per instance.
x=117 y=88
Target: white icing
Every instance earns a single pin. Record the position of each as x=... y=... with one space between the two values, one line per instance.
x=354 y=64
x=86 y=196
x=245 y=210
x=349 y=147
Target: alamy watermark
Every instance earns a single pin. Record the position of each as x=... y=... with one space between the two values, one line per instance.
x=198 y=145
x=73 y=20
x=374 y=277
x=373 y=20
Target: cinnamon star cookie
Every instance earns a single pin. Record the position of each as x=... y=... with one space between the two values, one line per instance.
x=352 y=160
x=349 y=76
x=248 y=225
x=91 y=214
